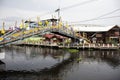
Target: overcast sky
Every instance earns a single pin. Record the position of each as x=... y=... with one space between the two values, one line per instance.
x=71 y=11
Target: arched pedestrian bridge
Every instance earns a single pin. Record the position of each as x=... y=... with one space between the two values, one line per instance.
x=16 y=36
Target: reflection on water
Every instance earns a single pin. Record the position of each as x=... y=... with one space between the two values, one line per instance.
x=35 y=63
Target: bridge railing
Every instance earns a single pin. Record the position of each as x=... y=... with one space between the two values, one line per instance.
x=25 y=33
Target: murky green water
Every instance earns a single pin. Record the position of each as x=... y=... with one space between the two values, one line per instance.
x=35 y=63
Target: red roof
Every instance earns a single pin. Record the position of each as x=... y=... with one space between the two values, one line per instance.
x=48 y=35
x=60 y=37
x=54 y=35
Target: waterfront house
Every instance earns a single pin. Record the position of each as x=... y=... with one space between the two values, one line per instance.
x=100 y=34
x=53 y=38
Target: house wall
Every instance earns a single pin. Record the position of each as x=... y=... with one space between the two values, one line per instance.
x=110 y=36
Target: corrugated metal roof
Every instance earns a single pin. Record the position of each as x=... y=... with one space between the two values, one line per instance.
x=92 y=28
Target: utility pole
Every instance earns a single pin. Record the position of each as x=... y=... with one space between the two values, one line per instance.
x=58 y=10
x=58 y=14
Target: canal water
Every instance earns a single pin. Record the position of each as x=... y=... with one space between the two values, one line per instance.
x=35 y=63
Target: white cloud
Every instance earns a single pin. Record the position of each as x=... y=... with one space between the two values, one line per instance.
x=25 y=9
x=10 y=15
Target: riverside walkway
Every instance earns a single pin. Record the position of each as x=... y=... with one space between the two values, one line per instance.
x=80 y=47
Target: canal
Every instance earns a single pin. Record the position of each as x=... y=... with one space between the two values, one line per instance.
x=35 y=63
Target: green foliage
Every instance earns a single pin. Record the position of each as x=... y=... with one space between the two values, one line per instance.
x=33 y=39
x=79 y=59
x=72 y=50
